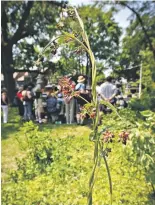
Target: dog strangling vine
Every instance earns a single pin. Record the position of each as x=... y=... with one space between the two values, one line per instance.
x=78 y=36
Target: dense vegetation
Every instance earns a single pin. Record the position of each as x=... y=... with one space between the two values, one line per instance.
x=51 y=164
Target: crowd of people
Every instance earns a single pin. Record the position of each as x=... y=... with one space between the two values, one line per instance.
x=62 y=103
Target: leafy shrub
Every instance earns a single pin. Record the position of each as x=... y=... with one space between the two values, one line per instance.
x=147 y=101
x=141 y=149
x=64 y=181
x=127 y=121
x=38 y=156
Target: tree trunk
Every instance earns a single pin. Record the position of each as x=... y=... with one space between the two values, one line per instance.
x=87 y=66
x=8 y=70
x=88 y=72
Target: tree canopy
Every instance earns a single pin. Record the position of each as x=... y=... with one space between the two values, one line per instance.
x=22 y=20
x=28 y=26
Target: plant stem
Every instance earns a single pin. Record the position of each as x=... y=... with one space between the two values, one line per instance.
x=83 y=99
x=153 y=188
x=92 y=180
x=108 y=172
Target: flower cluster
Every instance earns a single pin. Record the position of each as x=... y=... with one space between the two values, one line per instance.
x=124 y=136
x=79 y=50
x=39 y=61
x=93 y=113
x=82 y=115
x=89 y=109
x=107 y=136
x=54 y=47
x=67 y=86
x=67 y=12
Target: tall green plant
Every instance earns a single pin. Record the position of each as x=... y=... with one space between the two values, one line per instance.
x=141 y=149
x=77 y=36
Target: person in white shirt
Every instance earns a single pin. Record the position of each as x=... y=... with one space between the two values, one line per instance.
x=4 y=106
x=38 y=105
x=108 y=91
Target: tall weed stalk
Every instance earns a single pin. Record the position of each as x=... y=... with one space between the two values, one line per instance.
x=98 y=150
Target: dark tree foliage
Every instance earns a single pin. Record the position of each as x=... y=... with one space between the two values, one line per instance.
x=139 y=42
x=20 y=20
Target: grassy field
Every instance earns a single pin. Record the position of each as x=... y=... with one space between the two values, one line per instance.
x=66 y=183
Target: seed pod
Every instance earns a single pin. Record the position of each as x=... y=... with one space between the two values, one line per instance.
x=124 y=135
x=52 y=47
x=55 y=43
x=108 y=149
x=76 y=34
x=77 y=51
x=74 y=18
x=67 y=40
x=124 y=142
x=92 y=115
x=37 y=63
x=107 y=136
x=42 y=59
x=71 y=12
x=54 y=51
x=60 y=25
x=64 y=6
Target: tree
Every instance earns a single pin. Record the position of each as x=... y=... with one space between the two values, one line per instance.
x=103 y=33
x=19 y=21
x=142 y=13
x=135 y=46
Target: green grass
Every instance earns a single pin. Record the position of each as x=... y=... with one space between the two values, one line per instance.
x=67 y=182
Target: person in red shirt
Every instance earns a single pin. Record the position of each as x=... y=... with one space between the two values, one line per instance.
x=20 y=101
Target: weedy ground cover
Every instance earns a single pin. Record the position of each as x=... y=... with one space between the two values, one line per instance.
x=57 y=160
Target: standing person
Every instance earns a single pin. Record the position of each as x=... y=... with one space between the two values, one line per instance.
x=81 y=90
x=60 y=100
x=31 y=93
x=20 y=101
x=98 y=90
x=108 y=91
x=27 y=102
x=4 y=106
x=52 y=105
x=38 y=105
x=69 y=100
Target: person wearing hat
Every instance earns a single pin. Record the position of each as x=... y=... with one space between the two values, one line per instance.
x=80 y=86
x=81 y=90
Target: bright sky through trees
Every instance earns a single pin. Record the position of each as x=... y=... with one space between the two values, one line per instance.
x=121 y=17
